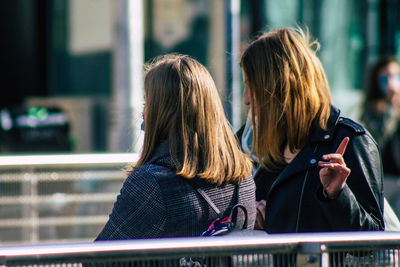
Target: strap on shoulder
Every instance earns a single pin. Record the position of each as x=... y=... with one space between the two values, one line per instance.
x=209 y=201
x=206 y=197
x=233 y=212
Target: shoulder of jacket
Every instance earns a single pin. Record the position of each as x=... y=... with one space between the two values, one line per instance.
x=150 y=172
x=356 y=127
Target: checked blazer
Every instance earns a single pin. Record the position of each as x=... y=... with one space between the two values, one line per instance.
x=155 y=202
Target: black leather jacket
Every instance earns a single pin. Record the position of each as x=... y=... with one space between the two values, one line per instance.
x=295 y=202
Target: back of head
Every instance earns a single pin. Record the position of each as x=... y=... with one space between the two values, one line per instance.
x=289 y=88
x=182 y=105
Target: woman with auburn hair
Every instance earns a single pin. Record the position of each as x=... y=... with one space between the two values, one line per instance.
x=317 y=171
x=188 y=143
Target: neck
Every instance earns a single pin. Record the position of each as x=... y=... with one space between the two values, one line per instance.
x=289 y=155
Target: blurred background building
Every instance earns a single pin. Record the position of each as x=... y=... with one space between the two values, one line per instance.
x=85 y=56
x=73 y=71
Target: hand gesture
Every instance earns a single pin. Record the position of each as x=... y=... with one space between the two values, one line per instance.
x=334 y=172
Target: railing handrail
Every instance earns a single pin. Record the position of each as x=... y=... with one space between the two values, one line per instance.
x=66 y=159
x=200 y=244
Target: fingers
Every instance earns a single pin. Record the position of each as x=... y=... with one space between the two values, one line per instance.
x=331 y=165
x=334 y=158
x=334 y=172
x=334 y=166
x=337 y=157
x=342 y=147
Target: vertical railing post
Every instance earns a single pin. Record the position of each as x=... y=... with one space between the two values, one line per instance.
x=34 y=208
x=30 y=211
x=324 y=256
x=309 y=254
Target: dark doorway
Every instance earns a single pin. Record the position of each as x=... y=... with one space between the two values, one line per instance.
x=23 y=50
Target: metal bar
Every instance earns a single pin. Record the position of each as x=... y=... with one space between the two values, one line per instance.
x=67 y=159
x=275 y=250
x=50 y=241
x=144 y=246
x=277 y=243
x=52 y=221
x=61 y=176
x=34 y=218
x=59 y=198
x=65 y=180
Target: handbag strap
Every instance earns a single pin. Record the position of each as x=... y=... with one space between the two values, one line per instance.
x=243 y=208
x=209 y=201
x=214 y=207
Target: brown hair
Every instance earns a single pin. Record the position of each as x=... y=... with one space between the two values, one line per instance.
x=182 y=105
x=289 y=92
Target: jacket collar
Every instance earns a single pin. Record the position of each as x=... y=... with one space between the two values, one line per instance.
x=162 y=155
x=319 y=134
x=308 y=156
x=304 y=160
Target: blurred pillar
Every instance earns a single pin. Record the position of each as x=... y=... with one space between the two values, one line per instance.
x=216 y=46
x=233 y=104
x=372 y=30
x=128 y=59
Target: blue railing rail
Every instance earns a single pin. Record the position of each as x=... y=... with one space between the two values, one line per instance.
x=314 y=249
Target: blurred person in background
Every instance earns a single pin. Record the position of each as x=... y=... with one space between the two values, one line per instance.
x=187 y=137
x=380 y=115
x=381 y=108
x=316 y=171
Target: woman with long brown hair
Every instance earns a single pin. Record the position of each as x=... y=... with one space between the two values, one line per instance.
x=188 y=143
x=317 y=171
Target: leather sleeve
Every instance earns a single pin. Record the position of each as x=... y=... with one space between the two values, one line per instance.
x=360 y=204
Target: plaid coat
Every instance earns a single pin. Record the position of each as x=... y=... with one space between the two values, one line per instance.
x=155 y=202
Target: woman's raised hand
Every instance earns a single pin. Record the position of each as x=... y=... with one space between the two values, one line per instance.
x=334 y=172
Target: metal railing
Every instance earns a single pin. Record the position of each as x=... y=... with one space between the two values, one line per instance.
x=316 y=249
x=48 y=198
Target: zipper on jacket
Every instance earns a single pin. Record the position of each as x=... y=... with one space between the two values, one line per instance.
x=302 y=194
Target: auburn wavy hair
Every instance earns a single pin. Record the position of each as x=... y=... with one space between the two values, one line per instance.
x=289 y=89
x=182 y=105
